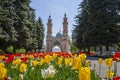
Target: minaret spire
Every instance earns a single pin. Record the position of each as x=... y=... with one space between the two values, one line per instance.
x=49 y=26
x=65 y=15
x=49 y=35
x=49 y=16
x=65 y=25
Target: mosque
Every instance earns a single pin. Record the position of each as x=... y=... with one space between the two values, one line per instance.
x=60 y=42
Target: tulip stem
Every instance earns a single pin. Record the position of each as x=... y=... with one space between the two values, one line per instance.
x=99 y=69
x=109 y=73
x=115 y=67
x=95 y=69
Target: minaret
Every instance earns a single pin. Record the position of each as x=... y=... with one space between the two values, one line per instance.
x=65 y=26
x=49 y=35
x=49 y=27
x=65 y=38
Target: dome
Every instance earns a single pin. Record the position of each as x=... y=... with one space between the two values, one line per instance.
x=56 y=49
x=59 y=34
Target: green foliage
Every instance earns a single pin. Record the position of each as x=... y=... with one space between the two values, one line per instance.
x=97 y=23
x=73 y=47
x=21 y=50
x=80 y=30
x=1 y=51
x=118 y=46
x=93 y=76
x=18 y=25
x=40 y=33
x=10 y=49
x=8 y=34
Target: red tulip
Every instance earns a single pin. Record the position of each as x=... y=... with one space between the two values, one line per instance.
x=24 y=59
x=114 y=58
x=4 y=59
x=116 y=78
x=91 y=53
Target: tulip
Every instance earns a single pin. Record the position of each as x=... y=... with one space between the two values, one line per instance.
x=3 y=72
x=108 y=62
x=91 y=53
x=116 y=78
x=35 y=62
x=47 y=58
x=87 y=63
x=41 y=62
x=16 y=62
x=31 y=56
x=60 y=60
x=110 y=74
x=100 y=60
x=21 y=77
x=23 y=67
x=1 y=65
x=9 y=78
x=54 y=56
x=76 y=63
x=1 y=57
x=82 y=57
x=67 y=61
x=84 y=73
x=48 y=73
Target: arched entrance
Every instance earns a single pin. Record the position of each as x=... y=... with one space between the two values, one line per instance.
x=56 y=47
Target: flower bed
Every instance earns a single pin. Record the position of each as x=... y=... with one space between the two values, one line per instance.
x=48 y=66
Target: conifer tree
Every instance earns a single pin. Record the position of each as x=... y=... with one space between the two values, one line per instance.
x=97 y=23
x=40 y=33
x=18 y=26
x=7 y=20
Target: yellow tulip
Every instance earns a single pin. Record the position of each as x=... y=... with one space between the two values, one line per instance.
x=1 y=65
x=76 y=63
x=108 y=62
x=41 y=62
x=1 y=57
x=54 y=56
x=87 y=63
x=23 y=67
x=75 y=56
x=110 y=74
x=35 y=63
x=13 y=62
x=84 y=73
x=67 y=61
x=3 y=72
x=100 y=60
x=16 y=62
x=60 y=60
x=47 y=58
x=31 y=56
x=82 y=57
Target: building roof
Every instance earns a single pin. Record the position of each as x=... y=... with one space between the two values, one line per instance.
x=59 y=34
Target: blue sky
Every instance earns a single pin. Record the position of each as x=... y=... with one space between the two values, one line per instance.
x=56 y=8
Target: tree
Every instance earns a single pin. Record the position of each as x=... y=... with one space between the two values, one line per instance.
x=18 y=27
x=104 y=16
x=97 y=24
x=23 y=25
x=80 y=30
x=40 y=33
x=73 y=47
x=7 y=20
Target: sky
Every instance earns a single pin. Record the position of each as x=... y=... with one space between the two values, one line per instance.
x=57 y=9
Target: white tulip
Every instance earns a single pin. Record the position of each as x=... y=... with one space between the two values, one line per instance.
x=49 y=72
x=20 y=77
